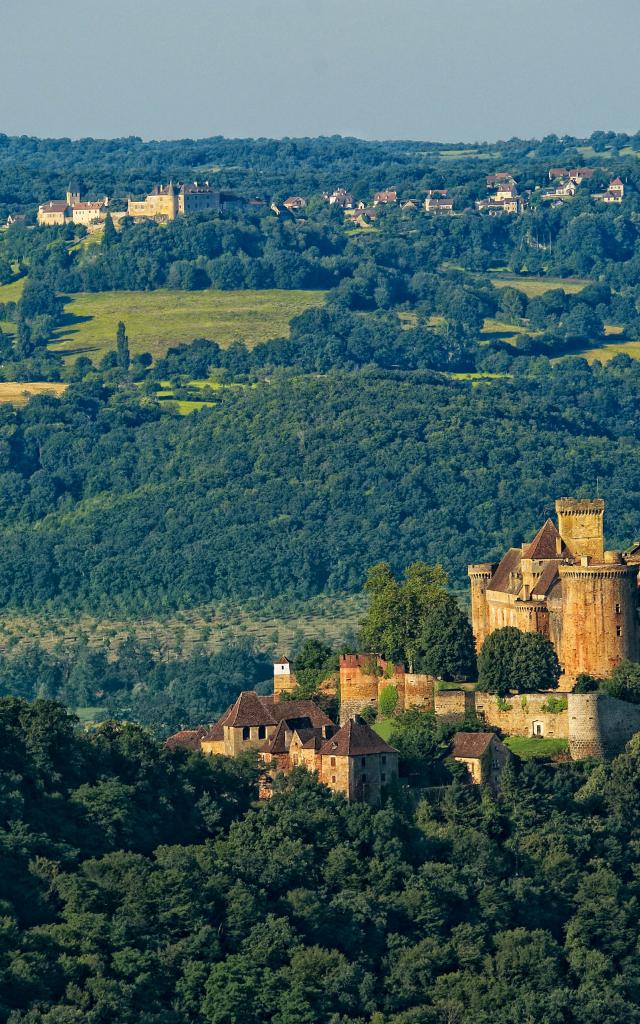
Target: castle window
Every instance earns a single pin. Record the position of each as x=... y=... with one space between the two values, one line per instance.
x=363 y=761
x=333 y=762
x=618 y=630
x=618 y=609
x=262 y=732
x=333 y=778
x=384 y=758
x=364 y=778
x=246 y=732
x=383 y=778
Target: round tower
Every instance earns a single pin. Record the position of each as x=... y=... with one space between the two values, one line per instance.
x=599 y=622
x=480 y=576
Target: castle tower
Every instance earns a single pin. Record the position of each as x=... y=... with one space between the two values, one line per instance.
x=581 y=526
x=284 y=681
x=480 y=576
x=359 y=675
x=73 y=196
x=599 y=622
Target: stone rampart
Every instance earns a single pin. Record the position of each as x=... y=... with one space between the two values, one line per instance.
x=453 y=706
x=419 y=691
x=523 y=714
x=599 y=725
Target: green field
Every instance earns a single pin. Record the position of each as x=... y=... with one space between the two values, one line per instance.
x=159 y=319
x=529 y=748
x=533 y=286
x=12 y=292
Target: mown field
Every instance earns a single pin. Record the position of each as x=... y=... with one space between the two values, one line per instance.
x=157 y=320
x=533 y=286
x=19 y=392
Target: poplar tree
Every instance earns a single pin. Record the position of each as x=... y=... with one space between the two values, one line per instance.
x=122 y=348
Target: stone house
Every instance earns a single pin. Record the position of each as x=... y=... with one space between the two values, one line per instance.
x=58 y=212
x=484 y=756
x=358 y=763
x=254 y=719
x=438 y=201
x=295 y=203
x=614 y=193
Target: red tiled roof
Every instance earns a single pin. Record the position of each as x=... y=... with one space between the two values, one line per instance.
x=471 y=744
x=250 y=710
x=356 y=738
x=295 y=709
x=544 y=544
x=187 y=739
x=500 y=580
x=54 y=206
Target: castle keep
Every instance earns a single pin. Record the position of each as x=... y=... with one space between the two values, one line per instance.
x=564 y=585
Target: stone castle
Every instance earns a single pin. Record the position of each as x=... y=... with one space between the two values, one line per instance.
x=564 y=585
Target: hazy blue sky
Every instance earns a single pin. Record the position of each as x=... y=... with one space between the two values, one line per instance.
x=420 y=69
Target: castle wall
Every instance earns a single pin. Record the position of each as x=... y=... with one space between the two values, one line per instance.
x=599 y=725
x=599 y=617
x=358 y=687
x=419 y=691
x=454 y=706
x=523 y=713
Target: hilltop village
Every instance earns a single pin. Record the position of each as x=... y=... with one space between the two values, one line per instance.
x=172 y=200
x=562 y=585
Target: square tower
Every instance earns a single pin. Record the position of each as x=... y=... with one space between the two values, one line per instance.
x=581 y=527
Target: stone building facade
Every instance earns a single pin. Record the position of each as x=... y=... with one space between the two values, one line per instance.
x=564 y=585
x=358 y=763
x=484 y=756
x=166 y=202
x=363 y=677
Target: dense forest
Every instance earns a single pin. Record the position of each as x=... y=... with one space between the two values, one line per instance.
x=296 y=486
x=138 y=885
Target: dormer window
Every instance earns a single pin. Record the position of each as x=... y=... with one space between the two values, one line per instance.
x=246 y=732
x=262 y=732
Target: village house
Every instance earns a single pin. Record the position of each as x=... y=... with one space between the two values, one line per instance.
x=614 y=193
x=565 y=188
x=505 y=199
x=386 y=197
x=500 y=178
x=253 y=719
x=340 y=197
x=438 y=200
x=295 y=203
x=58 y=212
x=483 y=754
x=358 y=763
x=575 y=174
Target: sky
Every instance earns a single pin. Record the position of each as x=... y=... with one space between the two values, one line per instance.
x=453 y=70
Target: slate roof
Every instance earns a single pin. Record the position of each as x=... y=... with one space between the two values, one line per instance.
x=471 y=744
x=356 y=738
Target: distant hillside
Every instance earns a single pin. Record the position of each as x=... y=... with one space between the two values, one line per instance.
x=292 y=489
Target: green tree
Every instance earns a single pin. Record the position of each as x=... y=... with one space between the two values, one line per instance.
x=398 y=609
x=447 y=642
x=624 y=682
x=109 y=233
x=388 y=700
x=511 y=660
x=122 y=348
